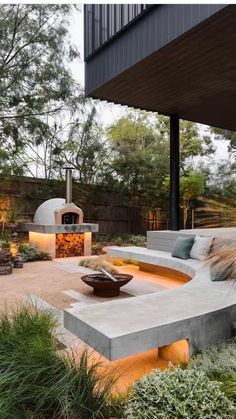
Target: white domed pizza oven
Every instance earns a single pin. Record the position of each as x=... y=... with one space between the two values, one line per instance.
x=58 y=226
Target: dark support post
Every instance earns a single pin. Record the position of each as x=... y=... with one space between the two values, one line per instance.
x=174 y=172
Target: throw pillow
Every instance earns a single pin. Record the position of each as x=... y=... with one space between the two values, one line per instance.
x=182 y=247
x=201 y=247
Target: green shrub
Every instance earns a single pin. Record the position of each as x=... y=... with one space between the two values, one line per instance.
x=5 y=240
x=31 y=254
x=219 y=363
x=216 y=360
x=178 y=394
x=137 y=240
x=103 y=240
x=14 y=214
x=229 y=386
x=97 y=248
x=127 y=239
x=38 y=382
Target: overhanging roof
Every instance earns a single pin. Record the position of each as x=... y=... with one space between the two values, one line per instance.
x=193 y=76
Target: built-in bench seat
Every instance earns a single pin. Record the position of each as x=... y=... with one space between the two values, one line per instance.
x=157 y=258
x=200 y=310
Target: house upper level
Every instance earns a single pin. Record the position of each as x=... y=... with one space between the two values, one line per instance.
x=103 y=22
x=169 y=59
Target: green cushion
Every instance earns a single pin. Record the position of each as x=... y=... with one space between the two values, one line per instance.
x=182 y=247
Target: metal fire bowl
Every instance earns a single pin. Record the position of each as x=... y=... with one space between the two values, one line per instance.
x=103 y=286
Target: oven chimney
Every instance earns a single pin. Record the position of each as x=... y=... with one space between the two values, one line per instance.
x=68 y=185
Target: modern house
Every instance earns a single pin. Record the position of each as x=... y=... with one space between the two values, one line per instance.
x=178 y=60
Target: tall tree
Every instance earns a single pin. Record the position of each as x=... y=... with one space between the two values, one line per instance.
x=82 y=145
x=139 y=156
x=224 y=134
x=193 y=143
x=35 y=80
x=140 y=161
x=222 y=183
x=192 y=186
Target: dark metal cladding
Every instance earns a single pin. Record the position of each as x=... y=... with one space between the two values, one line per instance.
x=102 y=22
x=126 y=34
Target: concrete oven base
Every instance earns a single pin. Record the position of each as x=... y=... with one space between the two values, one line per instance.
x=59 y=228
x=45 y=237
x=49 y=243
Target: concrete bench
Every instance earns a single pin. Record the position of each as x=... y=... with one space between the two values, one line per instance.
x=200 y=311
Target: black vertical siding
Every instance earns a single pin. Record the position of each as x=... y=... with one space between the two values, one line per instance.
x=103 y=21
x=106 y=58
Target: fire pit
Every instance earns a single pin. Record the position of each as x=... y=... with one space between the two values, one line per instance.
x=104 y=287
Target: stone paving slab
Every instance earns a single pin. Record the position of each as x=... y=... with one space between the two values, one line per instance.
x=63 y=335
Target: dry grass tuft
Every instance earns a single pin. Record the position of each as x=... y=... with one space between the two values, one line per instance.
x=95 y=262
x=224 y=258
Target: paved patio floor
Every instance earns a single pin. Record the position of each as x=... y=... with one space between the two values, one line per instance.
x=58 y=284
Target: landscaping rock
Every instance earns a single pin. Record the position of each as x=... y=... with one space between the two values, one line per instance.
x=18 y=262
x=5 y=256
x=5 y=262
x=6 y=269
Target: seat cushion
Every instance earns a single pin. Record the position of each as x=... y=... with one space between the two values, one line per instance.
x=182 y=247
x=201 y=247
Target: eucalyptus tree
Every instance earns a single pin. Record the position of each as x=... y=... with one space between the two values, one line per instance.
x=140 y=158
x=35 y=79
x=224 y=134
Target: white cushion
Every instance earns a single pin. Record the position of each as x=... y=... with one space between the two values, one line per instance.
x=201 y=247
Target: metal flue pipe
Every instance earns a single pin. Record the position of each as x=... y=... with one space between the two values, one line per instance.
x=68 y=185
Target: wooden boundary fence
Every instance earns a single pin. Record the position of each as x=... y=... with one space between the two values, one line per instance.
x=115 y=213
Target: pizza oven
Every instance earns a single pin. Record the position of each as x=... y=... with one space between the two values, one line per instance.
x=58 y=226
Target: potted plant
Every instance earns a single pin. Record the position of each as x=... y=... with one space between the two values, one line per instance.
x=5 y=255
x=3 y=219
x=13 y=217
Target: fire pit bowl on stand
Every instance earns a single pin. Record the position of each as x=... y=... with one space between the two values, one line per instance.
x=104 y=287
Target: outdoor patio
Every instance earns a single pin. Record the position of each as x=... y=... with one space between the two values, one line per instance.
x=117 y=211
x=56 y=285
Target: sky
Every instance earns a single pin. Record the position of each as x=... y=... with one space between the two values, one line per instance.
x=107 y=112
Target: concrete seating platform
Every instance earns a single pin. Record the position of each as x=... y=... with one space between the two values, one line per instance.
x=200 y=311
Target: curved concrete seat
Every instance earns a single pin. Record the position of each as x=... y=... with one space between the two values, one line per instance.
x=157 y=258
x=200 y=311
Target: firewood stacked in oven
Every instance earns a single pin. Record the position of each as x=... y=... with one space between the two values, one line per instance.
x=69 y=244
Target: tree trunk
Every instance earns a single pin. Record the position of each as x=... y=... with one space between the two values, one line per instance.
x=185 y=217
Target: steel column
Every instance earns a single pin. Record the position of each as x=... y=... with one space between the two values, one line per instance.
x=174 y=173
